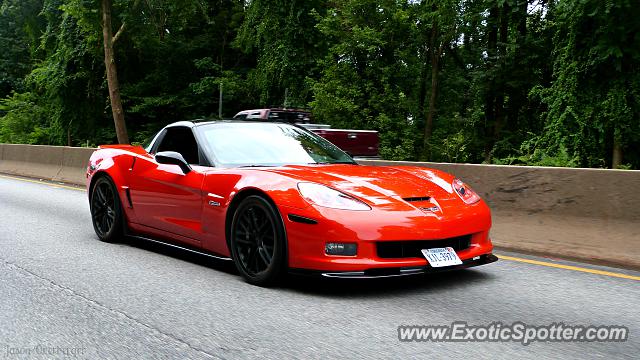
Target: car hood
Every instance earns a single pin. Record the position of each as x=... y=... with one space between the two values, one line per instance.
x=378 y=185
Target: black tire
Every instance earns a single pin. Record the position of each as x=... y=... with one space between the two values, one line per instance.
x=258 y=241
x=106 y=211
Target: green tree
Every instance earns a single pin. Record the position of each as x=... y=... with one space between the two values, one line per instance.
x=20 y=28
x=365 y=78
x=283 y=37
x=437 y=29
x=594 y=102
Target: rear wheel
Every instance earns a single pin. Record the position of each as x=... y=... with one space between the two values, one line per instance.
x=106 y=211
x=258 y=241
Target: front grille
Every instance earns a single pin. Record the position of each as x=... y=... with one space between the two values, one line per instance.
x=410 y=249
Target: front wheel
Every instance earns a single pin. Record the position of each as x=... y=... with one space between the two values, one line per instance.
x=258 y=241
x=106 y=211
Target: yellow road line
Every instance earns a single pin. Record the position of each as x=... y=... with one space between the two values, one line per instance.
x=43 y=183
x=569 y=267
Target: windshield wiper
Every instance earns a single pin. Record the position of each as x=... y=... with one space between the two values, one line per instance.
x=255 y=165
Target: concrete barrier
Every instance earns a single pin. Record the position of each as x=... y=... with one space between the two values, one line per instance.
x=58 y=163
x=597 y=193
x=584 y=214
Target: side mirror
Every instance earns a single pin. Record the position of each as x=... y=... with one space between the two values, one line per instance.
x=173 y=158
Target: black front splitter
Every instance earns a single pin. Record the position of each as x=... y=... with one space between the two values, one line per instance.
x=396 y=271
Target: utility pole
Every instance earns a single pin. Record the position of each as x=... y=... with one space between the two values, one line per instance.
x=220 y=103
x=286 y=98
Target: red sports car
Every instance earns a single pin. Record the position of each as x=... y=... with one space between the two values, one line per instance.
x=276 y=198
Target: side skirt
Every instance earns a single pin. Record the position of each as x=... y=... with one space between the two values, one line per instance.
x=179 y=247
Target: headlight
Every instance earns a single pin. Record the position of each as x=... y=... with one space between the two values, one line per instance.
x=327 y=197
x=464 y=191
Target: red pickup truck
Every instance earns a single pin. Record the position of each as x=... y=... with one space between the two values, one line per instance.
x=357 y=143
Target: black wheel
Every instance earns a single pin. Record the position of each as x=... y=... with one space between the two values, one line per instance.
x=106 y=211
x=258 y=241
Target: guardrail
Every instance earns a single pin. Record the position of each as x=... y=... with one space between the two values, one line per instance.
x=585 y=214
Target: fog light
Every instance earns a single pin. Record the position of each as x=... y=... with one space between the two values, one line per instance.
x=340 y=249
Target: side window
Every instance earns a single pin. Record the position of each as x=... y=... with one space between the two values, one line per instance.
x=181 y=140
x=148 y=143
x=254 y=115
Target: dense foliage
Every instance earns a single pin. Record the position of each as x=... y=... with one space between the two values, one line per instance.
x=544 y=82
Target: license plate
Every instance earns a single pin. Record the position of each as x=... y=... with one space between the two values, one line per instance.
x=439 y=257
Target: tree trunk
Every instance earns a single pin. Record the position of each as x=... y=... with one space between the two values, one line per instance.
x=616 y=161
x=490 y=95
x=422 y=89
x=112 y=74
x=500 y=90
x=435 y=72
x=435 y=60
x=518 y=94
x=523 y=8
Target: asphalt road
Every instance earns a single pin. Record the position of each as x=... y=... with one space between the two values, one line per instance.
x=62 y=289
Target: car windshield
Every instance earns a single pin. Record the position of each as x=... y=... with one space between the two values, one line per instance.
x=236 y=144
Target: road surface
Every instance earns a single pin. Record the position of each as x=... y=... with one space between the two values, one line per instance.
x=63 y=290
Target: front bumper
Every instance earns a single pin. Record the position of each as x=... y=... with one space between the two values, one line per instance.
x=367 y=229
x=397 y=271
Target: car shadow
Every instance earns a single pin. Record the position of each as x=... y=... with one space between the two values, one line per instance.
x=393 y=286
x=333 y=287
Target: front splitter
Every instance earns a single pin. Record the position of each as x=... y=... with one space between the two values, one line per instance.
x=376 y=273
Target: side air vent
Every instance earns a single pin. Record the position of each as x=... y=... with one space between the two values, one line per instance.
x=417 y=199
x=127 y=191
x=301 y=219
